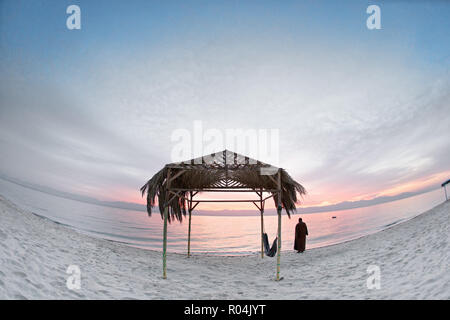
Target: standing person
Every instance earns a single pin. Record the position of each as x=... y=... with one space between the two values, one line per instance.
x=301 y=231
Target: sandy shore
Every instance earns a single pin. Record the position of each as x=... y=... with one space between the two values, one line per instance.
x=413 y=258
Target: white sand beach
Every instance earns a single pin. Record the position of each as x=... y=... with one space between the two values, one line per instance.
x=35 y=252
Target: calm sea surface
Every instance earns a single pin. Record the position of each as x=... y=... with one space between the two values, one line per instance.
x=215 y=234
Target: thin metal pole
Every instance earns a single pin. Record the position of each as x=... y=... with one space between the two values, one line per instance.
x=166 y=214
x=262 y=228
x=190 y=208
x=445 y=189
x=262 y=223
x=166 y=209
x=189 y=235
x=279 y=225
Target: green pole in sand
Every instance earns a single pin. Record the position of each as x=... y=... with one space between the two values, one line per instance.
x=166 y=212
x=262 y=230
x=279 y=244
x=279 y=226
x=262 y=221
x=189 y=235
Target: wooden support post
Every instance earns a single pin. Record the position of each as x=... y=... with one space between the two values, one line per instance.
x=279 y=225
x=261 y=206
x=166 y=214
x=190 y=208
x=189 y=235
x=262 y=230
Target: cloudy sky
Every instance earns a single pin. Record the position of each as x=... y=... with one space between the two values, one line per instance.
x=361 y=113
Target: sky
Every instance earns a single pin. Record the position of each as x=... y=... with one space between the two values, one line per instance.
x=360 y=113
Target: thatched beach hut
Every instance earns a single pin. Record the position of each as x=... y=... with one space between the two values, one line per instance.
x=176 y=186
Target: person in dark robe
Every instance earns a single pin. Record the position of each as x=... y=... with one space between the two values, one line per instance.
x=301 y=231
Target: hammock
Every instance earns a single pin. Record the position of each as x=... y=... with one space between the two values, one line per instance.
x=270 y=252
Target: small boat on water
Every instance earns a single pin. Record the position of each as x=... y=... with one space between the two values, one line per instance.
x=333 y=217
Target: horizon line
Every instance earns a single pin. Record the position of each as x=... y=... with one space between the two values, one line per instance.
x=134 y=206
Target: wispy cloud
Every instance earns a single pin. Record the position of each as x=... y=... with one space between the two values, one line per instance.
x=355 y=120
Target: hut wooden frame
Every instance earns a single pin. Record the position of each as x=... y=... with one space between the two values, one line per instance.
x=174 y=195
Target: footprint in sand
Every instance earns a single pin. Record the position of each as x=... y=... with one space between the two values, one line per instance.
x=20 y=274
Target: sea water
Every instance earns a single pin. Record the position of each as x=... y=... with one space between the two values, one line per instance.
x=224 y=235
